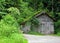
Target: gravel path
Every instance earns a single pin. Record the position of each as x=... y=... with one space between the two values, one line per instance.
x=42 y=39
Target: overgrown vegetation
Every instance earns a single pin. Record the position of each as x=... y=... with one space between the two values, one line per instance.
x=15 y=12
x=9 y=31
x=34 y=33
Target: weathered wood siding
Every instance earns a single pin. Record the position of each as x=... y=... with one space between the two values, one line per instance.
x=26 y=28
x=46 y=25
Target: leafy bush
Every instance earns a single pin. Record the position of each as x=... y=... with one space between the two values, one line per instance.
x=9 y=31
x=7 y=26
x=19 y=38
x=14 y=38
x=16 y=14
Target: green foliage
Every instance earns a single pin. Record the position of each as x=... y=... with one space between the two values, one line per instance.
x=8 y=25
x=14 y=12
x=1 y=4
x=34 y=33
x=19 y=38
x=35 y=22
x=9 y=31
x=41 y=7
x=58 y=34
x=14 y=38
x=57 y=26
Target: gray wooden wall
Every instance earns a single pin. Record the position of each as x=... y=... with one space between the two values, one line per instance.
x=46 y=25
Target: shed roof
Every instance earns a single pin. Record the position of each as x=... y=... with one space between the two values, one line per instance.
x=44 y=13
x=40 y=14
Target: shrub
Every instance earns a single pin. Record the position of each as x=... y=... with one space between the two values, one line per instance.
x=9 y=31
x=18 y=38
x=8 y=26
x=14 y=38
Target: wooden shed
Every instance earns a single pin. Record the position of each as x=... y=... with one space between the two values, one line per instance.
x=46 y=24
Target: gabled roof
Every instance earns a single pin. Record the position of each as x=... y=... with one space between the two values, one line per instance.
x=44 y=13
x=38 y=15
